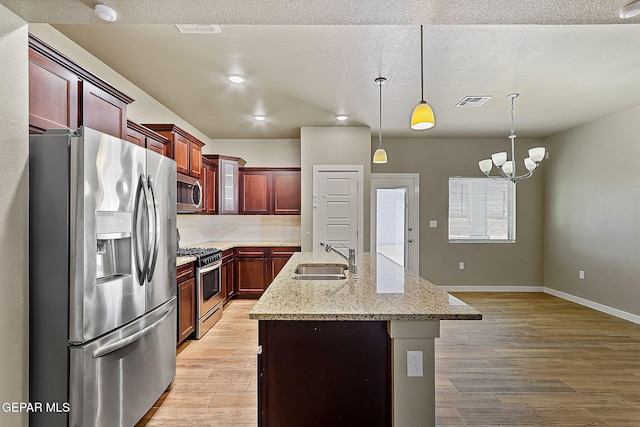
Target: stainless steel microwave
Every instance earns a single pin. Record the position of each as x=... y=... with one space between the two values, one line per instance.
x=189 y=194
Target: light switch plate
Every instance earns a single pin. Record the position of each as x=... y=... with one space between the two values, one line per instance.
x=433 y=223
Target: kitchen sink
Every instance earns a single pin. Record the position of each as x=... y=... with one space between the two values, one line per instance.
x=320 y=272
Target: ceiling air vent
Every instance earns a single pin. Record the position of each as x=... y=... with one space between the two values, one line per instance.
x=473 y=101
x=198 y=28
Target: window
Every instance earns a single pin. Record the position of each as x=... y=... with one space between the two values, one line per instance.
x=482 y=210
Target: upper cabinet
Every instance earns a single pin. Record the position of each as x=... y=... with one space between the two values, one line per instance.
x=210 y=187
x=147 y=138
x=186 y=149
x=64 y=95
x=270 y=191
x=228 y=181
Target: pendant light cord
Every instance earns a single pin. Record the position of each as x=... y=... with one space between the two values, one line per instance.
x=380 y=118
x=421 y=64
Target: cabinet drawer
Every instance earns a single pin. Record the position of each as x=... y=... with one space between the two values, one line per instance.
x=283 y=252
x=251 y=252
x=184 y=272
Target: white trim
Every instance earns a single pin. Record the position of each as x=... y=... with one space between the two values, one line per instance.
x=582 y=301
x=492 y=288
x=594 y=305
x=380 y=180
x=337 y=168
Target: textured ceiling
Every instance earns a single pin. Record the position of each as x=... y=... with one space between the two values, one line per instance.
x=303 y=75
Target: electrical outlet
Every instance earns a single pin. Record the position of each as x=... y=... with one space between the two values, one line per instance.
x=414 y=364
x=581 y=274
x=461 y=265
x=433 y=223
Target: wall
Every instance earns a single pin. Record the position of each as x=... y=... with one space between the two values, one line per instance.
x=144 y=109
x=332 y=146
x=259 y=152
x=486 y=264
x=14 y=215
x=592 y=215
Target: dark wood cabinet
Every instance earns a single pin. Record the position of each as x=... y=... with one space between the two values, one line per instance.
x=209 y=187
x=270 y=191
x=286 y=192
x=64 y=95
x=147 y=138
x=278 y=257
x=324 y=373
x=256 y=267
x=186 y=301
x=227 y=272
x=227 y=175
x=186 y=149
x=252 y=271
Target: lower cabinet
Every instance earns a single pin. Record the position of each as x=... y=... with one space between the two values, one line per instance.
x=252 y=274
x=256 y=267
x=186 y=301
x=227 y=272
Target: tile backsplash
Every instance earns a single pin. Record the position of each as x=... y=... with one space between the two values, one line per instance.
x=196 y=229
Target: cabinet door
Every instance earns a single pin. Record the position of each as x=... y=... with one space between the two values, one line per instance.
x=181 y=153
x=53 y=94
x=227 y=273
x=136 y=137
x=210 y=189
x=228 y=173
x=157 y=146
x=255 y=192
x=278 y=258
x=286 y=193
x=252 y=271
x=103 y=111
x=195 y=159
x=186 y=309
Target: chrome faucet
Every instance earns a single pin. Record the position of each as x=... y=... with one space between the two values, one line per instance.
x=353 y=268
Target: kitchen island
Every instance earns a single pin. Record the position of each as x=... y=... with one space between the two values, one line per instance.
x=354 y=351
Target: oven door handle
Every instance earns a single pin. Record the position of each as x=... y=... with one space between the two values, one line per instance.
x=209 y=268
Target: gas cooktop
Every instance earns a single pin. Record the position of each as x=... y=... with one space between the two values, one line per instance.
x=204 y=255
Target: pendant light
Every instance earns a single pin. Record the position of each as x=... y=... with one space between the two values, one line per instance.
x=422 y=117
x=380 y=156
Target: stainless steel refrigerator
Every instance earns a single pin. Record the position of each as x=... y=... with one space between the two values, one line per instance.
x=102 y=296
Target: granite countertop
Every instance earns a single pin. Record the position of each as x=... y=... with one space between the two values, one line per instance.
x=384 y=290
x=182 y=260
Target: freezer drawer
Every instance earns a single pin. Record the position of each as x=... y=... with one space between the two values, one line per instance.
x=116 y=379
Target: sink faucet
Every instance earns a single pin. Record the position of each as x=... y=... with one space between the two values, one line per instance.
x=353 y=268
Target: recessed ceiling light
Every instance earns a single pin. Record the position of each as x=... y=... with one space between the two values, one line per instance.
x=630 y=10
x=342 y=117
x=259 y=118
x=236 y=78
x=105 y=13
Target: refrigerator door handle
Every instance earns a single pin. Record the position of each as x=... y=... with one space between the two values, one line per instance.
x=110 y=348
x=156 y=234
x=141 y=265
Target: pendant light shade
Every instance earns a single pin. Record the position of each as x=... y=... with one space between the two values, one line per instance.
x=380 y=156
x=422 y=117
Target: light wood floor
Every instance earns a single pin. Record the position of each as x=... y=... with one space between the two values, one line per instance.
x=534 y=360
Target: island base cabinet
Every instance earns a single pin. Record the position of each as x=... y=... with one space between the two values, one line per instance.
x=324 y=373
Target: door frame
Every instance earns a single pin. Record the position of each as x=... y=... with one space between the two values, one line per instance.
x=360 y=194
x=381 y=180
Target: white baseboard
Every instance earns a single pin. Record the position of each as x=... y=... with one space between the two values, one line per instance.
x=585 y=302
x=594 y=305
x=492 y=288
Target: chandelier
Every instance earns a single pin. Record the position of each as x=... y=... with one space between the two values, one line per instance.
x=506 y=168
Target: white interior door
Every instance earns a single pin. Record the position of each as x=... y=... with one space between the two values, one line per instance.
x=337 y=203
x=395 y=218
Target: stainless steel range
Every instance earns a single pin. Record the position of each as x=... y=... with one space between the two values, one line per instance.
x=209 y=294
